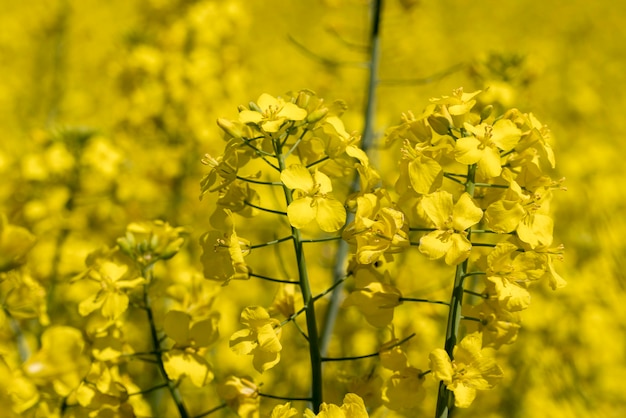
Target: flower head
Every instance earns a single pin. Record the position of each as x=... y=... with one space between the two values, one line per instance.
x=312 y=200
x=261 y=339
x=472 y=369
x=271 y=113
x=449 y=240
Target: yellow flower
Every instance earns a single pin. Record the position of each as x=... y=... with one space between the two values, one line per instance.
x=186 y=358
x=261 y=339
x=472 y=369
x=378 y=228
x=312 y=200
x=404 y=390
x=15 y=243
x=241 y=395
x=223 y=254
x=454 y=110
x=272 y=113
x=284 y=411
x=449 y=240
x=374 y=298
x=485 y=143
x=116 y=277
x=509 y=272
x=353 y=407
x=60 y=361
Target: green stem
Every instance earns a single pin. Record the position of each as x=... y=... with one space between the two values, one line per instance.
x=307 y=297
x=445 y=399
x=174 y=392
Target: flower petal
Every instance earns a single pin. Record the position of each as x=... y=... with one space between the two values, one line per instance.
x=439 y=207
x=301 y=212
x=466 y=213
x=297 y=177
x=331 y=214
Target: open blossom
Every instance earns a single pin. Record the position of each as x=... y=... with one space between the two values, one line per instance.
x=484 y=144
x=312 y=200
x=353 y=407
x=186 y=357
x=375 y=297
x=261 y=338
x=272 y=113
x=449 y=240
x=378 y=228
x=223 y=254
x=472 y=369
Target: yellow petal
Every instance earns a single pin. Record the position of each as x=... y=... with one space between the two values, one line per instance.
x=298 y=177
x=115 y=304
x=425 y=174
x=301 y=212
x=205 y=332
x=489 y=164
x=250 y=116
x=435 y=244
x=331 y=214
x=265 y=101
x=439 y=207
x=265 y=360
x=463 y=396
x=441 y=365
x=466 y=213
x=505 y=134
x=292 y=112
x=459 y=250
x=322 y=181
x=467 y=151
x=176 y=326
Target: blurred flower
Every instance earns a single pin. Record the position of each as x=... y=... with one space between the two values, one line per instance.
x=223 y=253
x=374 y=298
x=15 y=243
x=353 y=407
x=241 y=395
x=60 y=361
x=186 y=357
x=261 y=339
x=116 y=276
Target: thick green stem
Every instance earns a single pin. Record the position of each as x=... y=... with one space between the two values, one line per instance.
x=445 y=399
x=176 y=396
x=307 y=297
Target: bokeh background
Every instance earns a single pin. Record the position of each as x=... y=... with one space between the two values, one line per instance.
x=106 y=109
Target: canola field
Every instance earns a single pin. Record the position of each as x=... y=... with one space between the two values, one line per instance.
x=318 y=208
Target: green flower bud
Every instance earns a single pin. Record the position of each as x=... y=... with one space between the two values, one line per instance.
x=440 y=124
x=486 y=112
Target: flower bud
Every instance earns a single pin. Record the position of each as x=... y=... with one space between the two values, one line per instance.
x=440 y=124
x=230 y=128
x=486 y=112
x=317 y=114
